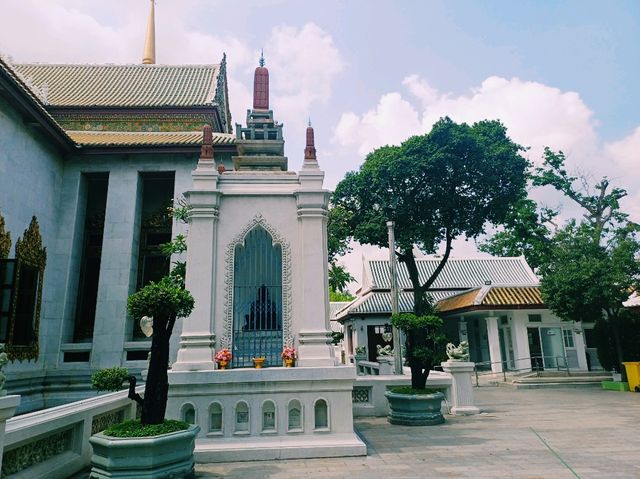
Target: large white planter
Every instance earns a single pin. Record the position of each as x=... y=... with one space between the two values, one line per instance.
x=157 y=457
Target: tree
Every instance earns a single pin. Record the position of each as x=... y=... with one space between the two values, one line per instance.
x=527 y=232
x=584 y=279
x=446 y=184
x=589 y=267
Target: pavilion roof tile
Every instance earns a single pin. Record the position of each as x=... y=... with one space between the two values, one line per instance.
x=145 y=138
x=77 y=85
x=458 y=273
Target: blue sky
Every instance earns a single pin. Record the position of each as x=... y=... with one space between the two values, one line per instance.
x=369 y=73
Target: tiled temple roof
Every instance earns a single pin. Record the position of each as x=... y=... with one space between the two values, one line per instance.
x=457 y=273
x=118 y=138
x=490 y=297
x=122 y=85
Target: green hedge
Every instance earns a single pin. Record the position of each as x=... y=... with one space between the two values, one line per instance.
x=134 y=428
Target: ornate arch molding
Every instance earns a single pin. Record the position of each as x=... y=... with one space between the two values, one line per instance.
x=276 y=239
x=5 y=240
x=29 y=253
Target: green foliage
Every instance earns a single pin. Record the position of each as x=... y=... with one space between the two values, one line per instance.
x=109 y=379
x=629 y=325
x=336 y=337
x=166 y=297
x=526 y=233
x=408 y=322
x=410 y=390
x=336 y=296
x=339 y=278
x=450 y=182
x=133 y=428
x=337 y=232
x=176 y=246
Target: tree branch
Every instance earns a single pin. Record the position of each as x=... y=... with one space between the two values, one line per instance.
x=443 y=261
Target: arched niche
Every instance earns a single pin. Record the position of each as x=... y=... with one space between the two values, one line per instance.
x=295 y=416
x=321 y=414
x=215 y=417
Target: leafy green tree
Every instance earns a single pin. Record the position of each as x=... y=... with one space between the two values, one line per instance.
x=339 y=279
x=584 y=279
x=446 y=184
x=589 y=267
x=165 y=301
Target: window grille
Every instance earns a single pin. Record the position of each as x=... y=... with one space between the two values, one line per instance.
x=257 y=300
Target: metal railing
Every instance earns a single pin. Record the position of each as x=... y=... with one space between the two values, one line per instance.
x=535 y=364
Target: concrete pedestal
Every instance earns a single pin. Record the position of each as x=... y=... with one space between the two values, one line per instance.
x=271 y=413
x=461 y=398
x=8 y=405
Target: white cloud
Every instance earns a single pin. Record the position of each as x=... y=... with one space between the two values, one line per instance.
x=393 y=120
x=303 y=64
x=536 y=115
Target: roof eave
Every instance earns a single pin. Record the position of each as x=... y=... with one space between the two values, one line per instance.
x=19 y=99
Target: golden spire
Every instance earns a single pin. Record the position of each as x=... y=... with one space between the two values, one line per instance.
x=150 y=42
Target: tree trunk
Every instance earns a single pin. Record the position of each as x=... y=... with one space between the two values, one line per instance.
x=157 y=387
x=615 y=329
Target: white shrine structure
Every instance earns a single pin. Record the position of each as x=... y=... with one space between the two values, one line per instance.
x=257 y=269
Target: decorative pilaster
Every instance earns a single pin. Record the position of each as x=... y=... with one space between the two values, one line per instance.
x=197 y=338
x=462 y=401
x=314 y=335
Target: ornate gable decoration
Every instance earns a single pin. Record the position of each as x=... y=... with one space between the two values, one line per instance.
x=258 y=220
x=5 y=240
x=221 y=95
x=29 y=249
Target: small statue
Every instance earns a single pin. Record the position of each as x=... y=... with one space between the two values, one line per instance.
x=4 y=359
x=384 y=352
x=459 y=353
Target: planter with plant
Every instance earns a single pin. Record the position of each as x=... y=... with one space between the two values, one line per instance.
x=222 y=358
x=425 y=346
x=289 y=356
x=152 y=446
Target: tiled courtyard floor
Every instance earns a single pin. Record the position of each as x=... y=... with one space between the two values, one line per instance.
x=527 y=434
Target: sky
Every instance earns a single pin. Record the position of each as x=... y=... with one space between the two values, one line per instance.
x=562 y=74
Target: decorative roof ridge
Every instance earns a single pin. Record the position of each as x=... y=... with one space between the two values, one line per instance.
x=115 y=65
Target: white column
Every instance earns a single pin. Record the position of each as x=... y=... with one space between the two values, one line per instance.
x=8 y=405
x=578 y=339
x=462 y=401
x=493 y=338
x=183 y=183
x=117 y=268
x=521 y=339
x=314 y=336
x=197 y=337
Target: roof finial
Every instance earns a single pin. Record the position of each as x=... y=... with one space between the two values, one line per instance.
x=310 y=148
x=149 y=57
x=261 y=62
x=261 y=86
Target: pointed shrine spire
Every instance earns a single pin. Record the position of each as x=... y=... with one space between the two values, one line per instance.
x=261 y=86
x=310 y=148
x=149 y=57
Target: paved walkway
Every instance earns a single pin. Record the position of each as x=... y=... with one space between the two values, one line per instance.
x=524 y=434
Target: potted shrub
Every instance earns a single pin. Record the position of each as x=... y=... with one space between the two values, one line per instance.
x=289 y=356
x=425 y=345
x=152 y=446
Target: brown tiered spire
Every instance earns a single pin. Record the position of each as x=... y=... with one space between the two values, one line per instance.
x=310 y=149
x=206 y=151
x=261 y=87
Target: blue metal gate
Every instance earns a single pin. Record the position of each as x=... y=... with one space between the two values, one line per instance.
x=257 y=300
